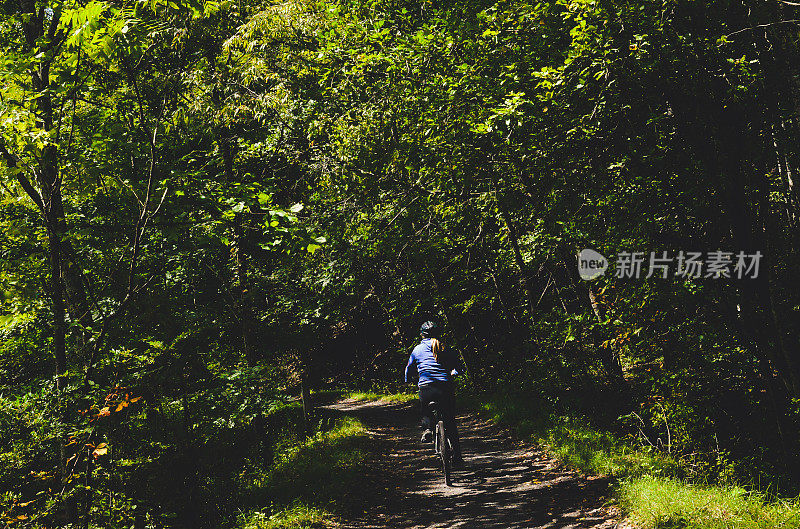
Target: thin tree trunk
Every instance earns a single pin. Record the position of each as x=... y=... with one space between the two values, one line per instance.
x=523 y=270
x=245 y=310
x=88 y=496
x=59 y=313
x=587 y=299
x=49 y=201
x=305 y=390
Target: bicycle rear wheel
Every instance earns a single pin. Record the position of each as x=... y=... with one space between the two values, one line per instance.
x=444 y=451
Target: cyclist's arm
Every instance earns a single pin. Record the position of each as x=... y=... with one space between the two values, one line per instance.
x=411 y=367
x=458 y=366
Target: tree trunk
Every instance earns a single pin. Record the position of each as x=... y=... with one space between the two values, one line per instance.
x=245 y=310
x=52 y=209
x=305 y=390
x=88 y=496
x=525 y=279
x=587 y=299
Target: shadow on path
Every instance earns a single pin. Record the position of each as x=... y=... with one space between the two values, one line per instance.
x=506 y=484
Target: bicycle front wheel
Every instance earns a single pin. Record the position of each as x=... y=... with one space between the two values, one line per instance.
x=444 y=451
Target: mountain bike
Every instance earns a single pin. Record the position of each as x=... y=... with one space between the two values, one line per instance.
x=441 y=443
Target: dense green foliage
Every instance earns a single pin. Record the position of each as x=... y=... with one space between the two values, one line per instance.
x=208 y=207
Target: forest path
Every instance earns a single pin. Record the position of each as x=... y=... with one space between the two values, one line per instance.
x=505 y=483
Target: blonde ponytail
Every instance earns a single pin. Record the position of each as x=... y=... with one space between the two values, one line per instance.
x=436 y=347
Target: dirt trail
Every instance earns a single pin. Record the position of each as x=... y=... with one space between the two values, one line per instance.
x=505 y=484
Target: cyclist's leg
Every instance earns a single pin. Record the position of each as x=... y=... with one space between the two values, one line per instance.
x=455 y=440
x=426 y=395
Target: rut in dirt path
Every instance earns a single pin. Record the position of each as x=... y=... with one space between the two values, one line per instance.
x=505 y=484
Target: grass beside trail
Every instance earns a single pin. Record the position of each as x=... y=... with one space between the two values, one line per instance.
x=298 y=516
x=310 y=478
x=575 y=442
x=649 y=491
x=660 y=503
x=383 y=397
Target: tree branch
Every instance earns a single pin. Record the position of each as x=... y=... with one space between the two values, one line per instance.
x=793 y=21
x=13 y=163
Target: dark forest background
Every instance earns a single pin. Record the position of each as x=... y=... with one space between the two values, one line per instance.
x=209 y=209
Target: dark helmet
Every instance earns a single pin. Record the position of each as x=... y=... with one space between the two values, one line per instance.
x=429 y=329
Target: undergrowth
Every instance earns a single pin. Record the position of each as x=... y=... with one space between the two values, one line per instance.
x=652 y=489
x=309 y=478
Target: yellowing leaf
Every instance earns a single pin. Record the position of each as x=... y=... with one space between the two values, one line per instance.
x=101 y=450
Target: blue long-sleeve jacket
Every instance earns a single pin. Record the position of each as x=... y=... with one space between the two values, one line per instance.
x=422 y=363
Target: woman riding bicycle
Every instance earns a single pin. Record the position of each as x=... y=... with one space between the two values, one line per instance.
x=436 y=367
